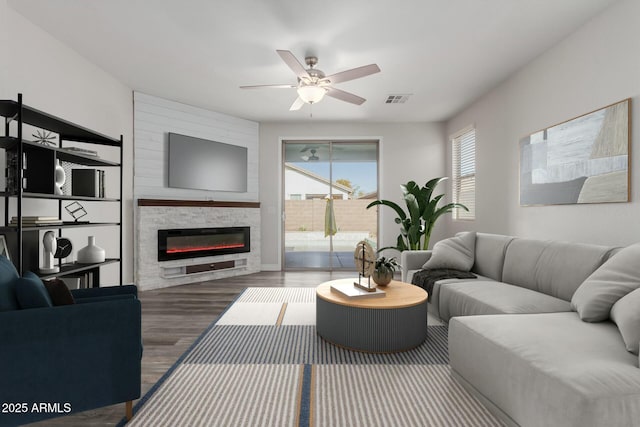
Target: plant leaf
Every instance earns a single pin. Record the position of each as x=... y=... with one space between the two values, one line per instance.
x=401 y=213
x=432 y=184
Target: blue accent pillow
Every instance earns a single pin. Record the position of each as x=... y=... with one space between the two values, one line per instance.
x=8 y=276
x=31 y=292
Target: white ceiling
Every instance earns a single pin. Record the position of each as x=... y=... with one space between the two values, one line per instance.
x=446 y=53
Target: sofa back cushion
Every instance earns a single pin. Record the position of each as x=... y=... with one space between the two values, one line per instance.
x=489 y=255
x=8 y=276
x=551 y=267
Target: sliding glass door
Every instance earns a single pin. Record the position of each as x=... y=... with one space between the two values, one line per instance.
x=327 y=186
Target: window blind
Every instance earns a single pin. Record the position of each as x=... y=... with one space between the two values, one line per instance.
x=464 y=173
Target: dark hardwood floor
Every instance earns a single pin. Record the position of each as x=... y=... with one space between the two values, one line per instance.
x=172 y=318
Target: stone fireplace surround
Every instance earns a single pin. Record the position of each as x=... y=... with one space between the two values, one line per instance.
x=155 y=214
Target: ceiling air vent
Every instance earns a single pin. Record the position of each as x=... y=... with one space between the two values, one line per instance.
x=397 y=99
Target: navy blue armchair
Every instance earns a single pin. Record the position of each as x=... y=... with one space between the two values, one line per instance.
x=65 y=359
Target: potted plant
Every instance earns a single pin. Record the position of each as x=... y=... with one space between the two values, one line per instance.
x=384 y=269
x=423 y=212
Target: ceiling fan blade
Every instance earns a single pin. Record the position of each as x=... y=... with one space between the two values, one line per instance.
x=344 y=96
x=293 y=63
x=269 y=86
x=354 y=73
x=297 y=104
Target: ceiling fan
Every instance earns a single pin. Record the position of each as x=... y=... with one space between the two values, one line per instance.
x=313 y=84
x=312 y=157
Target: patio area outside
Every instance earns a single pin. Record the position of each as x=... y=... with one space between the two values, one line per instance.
x=306 y=245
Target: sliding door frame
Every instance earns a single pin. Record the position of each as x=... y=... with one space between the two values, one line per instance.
x=330 y=142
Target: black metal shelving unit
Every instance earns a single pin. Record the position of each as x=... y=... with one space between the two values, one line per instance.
x=23 y=245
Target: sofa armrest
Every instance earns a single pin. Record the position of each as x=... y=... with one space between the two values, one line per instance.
x=87 y=355
x=106 y=291
x=413 y=260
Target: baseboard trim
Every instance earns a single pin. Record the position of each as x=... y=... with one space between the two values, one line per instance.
x=270 y=267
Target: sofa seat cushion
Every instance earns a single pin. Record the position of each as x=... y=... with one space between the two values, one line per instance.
x=548 y=369
x=468 y=298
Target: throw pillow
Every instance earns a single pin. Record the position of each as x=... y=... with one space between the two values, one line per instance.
x=58 y=291
x=613 y=280
x=456 y=253
x=626 y=314
x=31 y=292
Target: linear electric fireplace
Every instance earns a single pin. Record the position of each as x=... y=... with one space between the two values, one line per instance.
x=201 y=242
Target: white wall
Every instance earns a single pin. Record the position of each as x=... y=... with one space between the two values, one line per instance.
x=594 y=67
x=55 y=79
x=408 y=151
x=155 y=117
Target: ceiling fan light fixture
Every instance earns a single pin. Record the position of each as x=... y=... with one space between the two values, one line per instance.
x=311 y=94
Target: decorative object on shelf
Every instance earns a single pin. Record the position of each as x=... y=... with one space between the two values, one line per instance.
x=44 y=137
x=384 y=269
x=91 y=254
x=87 y=182
x=64 y=248
x=49 y=247
x=60 y=178
x=416 y=227
x=4 y=249
x=364 y=258
x=583 y=160
x=76 y=210
x=67 y=167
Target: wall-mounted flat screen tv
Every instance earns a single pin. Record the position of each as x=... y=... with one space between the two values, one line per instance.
x=201 y=164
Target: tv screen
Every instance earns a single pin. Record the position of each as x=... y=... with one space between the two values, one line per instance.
x=201 y=164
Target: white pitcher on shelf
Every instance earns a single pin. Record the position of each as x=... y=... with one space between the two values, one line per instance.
x=91 y=254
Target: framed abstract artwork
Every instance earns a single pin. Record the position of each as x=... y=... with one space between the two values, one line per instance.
x=582 y=160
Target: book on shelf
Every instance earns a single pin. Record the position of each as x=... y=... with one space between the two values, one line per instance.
x=87 y=182
x=77 y=150
x=37 y=220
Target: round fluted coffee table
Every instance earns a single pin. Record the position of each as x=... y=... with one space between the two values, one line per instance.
x=395 y=322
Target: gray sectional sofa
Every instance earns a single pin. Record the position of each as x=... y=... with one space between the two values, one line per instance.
x=532 y=337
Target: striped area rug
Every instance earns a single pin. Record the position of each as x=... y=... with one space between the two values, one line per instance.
x=262 y=364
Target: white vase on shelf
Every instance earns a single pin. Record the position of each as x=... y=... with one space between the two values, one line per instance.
x=91 y=253
x=60 y=177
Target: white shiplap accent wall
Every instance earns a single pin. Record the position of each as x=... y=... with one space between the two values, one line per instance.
x=155 y=117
